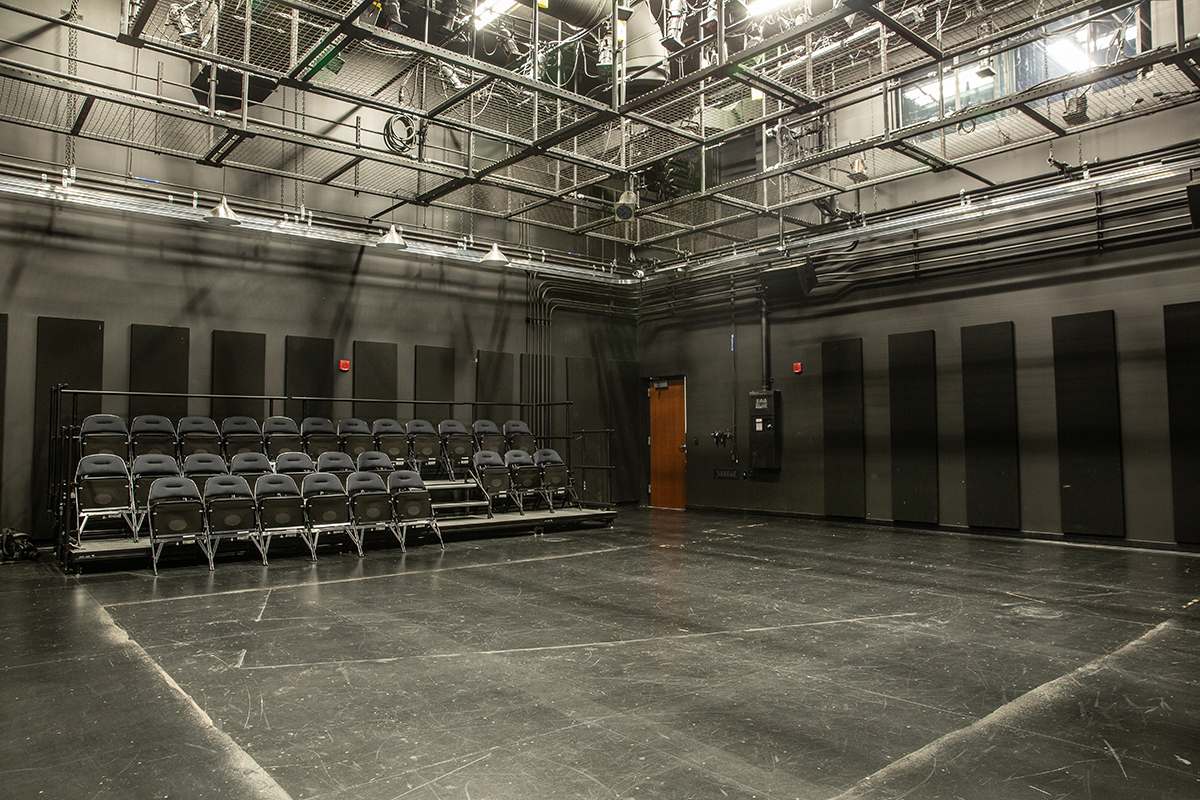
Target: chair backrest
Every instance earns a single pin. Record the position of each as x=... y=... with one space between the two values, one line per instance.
x=335 y=461
x=405 y=480
x=153 y=464
x=452 y=427
x=101 y=466
x=514 y=426
x=484 y=426
x=365 y=482
x=173 y=488
x=285 y=426
x=319 y=483
x=240 y=426
x=271 y=485
x=205 y=464
x=103 y=424
x=420 y=427
x=151 y=424
x=249 y=463
x=293 y=462
x=374 y=461
x=387 y=427
x=197 y=426
x=220 y=486
x=352 y=426
x=518 y=458
x=547 y=456
x=487 y=458
x=317 y=425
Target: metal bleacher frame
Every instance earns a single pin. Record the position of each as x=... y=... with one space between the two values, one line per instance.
x=550 y=422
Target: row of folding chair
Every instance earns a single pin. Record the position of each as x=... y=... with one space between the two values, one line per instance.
x=227 y=508
x=418 y=442
x=518 y=477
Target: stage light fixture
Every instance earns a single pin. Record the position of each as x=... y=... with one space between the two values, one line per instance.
x=392 y=240
x=222 y=214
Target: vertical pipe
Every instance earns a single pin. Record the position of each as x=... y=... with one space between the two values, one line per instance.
x=766 y=342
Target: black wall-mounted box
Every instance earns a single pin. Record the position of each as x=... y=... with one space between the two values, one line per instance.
x=766 y=431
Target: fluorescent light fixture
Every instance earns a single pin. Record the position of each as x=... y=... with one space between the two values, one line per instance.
x=392 y=240
x=494 y=256
x=222 y=215
x=490 y=9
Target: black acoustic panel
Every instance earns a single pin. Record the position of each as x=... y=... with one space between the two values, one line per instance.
x=309 y=370
x=1182 y=327
x=376 y=376
x=158 y=362
x=239 y=367
x=494 y=391
x=537 y=391
x=624 y=391
x=71 y=352
x=1091 y=485
x=912 y=381
x=433 y=379
x=1193 y=196
x=3 y=386
x=845 y=433
x=588 y=413
x=991 y=450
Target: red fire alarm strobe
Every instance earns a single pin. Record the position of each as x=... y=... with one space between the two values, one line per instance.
x=344 y=365
x=796 y=367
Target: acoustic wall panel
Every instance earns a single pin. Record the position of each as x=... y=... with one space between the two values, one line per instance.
x=1182 y=327
x=990 y=441
x=158 y=362
x=239 y=367
x=71 y=352
x=3 y=386
x=309 y=370
x=845 y=432
x=376 y=376
x=1091 y=486
x=625 y=392
x=433 y=379
x=587 y=414
x=494 y=391
x=912 y=381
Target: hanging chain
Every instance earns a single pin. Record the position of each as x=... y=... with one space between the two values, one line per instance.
x=72 y=70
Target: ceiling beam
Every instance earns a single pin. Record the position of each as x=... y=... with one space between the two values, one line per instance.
x=900 y=29
x=1041 y=119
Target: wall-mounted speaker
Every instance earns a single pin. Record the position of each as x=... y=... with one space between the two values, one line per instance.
x=1193 y=195
x=626 y=205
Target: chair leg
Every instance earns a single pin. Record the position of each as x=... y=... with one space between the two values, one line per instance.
x=155 y=552
x=438 y=532
x=209 y=546
x=310 y=538
x=263 y=543
x=399 y=530
x=356 y=538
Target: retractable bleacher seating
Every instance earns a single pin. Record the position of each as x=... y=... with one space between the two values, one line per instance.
x=176 y=512
x=198 y=435
x=281 y=435
x=488 y=436
x=493 y=477
x=240 y=435
x=556 y=477
x=318 y=436
x=298 y=465
x=202 y=466
x=231 y=512
x=147 y=469
x=518 y=436
x=457 y=447
x=424 y=445
x=390 y=438
x=326 y=509
x=370 y=504
x=151 y=434
x=355 y=436
x=103 y=490
x=375 y=461
x=526 y=477
x=104 y=435
x=280 y=510
x=411 y=506
x=336 y=463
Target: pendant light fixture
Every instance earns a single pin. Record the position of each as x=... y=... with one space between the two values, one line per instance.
x=222 y=215
x=494 y=256
x=392 y=240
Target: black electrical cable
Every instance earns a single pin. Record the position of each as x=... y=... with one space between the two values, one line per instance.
x=400 y=134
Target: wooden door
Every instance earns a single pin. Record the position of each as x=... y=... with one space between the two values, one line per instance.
x=668 y=440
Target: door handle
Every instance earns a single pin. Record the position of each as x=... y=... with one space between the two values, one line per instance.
x=683 y=446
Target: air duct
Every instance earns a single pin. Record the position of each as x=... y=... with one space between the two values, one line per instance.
x=645 y=56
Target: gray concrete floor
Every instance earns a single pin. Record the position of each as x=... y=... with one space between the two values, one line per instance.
x=677 y=655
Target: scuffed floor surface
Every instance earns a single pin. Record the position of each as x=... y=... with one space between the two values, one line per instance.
x=673 y=656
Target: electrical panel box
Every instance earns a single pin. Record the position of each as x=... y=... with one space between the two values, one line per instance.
x=766 y=431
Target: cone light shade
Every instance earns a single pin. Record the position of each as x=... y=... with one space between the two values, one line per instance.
x=222 y=215
x=392 y=240
x=494 y=256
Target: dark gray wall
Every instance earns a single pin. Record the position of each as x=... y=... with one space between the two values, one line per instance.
x=80 y=264
x=1135 y=285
